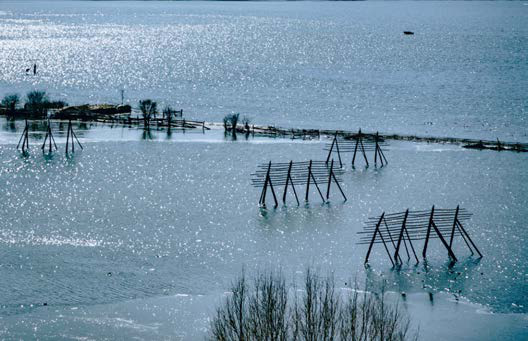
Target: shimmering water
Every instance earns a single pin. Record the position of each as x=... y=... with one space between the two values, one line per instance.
x=129 y=218
x=333 y=65
x=138 y=235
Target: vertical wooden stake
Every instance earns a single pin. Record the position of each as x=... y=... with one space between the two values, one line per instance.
x=406 y=248
x=54 y=143
x=363 y=148
x=286 y=184
x=330 y=151
x=355 y=150
x=45 y=139
x=49 y=131
x=288 y=181
x=68 y=135
x=424 y=252
x=329 y=179
x=377 y=151
x=308 y=181
x=26 y=138
x=454 y=226
x=23 y=137
x=374 y=238
x=338 y=152
x=265 y=187
x=401 y=235
x=73 y=144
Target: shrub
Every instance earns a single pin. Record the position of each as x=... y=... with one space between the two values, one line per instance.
x=264 y=309
x=56 y=105
x=10 y=102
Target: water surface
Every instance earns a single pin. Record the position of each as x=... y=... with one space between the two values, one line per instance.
x=139 y=234
x=322 y=65
x=135 y=219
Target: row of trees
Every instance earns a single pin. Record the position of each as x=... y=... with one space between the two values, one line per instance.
x=37 y=103
x=149 y=110
x=266 y=308
x=231 y=122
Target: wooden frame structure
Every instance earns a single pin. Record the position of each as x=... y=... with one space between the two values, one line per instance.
x=70 y=135
x=24 y=138
x=358 y=142
x=171 y=123
x=49 y=136
x=272 y=175
x=395 y=229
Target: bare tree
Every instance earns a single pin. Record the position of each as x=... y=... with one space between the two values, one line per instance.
x=316 y=318
x=149 y=109
x=265 y=309
x=231 y=322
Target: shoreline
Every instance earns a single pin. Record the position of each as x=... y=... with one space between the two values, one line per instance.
x=273 y=131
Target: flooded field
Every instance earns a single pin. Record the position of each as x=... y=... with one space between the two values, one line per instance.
x=130 y=218
x=139 y=234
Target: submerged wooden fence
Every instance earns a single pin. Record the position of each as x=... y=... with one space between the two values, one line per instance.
x=273 y=131
x=357 y=143
x=394 y=229
x=158 y=122
x=70 y=135
x=291 y=174
x=49 y=138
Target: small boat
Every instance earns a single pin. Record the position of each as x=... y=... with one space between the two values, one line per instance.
x=408 y=33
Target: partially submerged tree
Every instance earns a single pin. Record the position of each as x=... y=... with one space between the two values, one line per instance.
x=226 y=121
x=246 y=121
x=149 y=109
x=9 y=102
x=37 y=102
x=231 y=122
x=234 y=121
x=168 y=113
